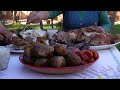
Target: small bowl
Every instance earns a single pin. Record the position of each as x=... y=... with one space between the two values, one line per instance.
x=51 y=32
x=60 y=70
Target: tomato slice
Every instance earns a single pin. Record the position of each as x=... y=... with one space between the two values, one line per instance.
x=86 y=54
x=95 y=54
x=91 y=60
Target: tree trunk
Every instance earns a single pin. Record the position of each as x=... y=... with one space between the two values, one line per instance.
x=112 y=19
x=15 y=16
x=2 y=17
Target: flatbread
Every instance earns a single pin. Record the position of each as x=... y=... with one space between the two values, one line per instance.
x=33 y=33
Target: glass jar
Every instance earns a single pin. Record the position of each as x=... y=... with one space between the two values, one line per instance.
x=4 y=57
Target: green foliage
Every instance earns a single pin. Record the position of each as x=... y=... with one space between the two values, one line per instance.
x=117 y=31
x=18 y=26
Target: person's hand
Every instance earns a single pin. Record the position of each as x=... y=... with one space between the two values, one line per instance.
x=37 y=17
x=33 y=18
x=8 y=37
x=1 y=37
x=101 y=29
x=5 y=34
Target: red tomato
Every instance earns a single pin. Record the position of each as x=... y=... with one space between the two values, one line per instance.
x=92 y=59
x=86 y=54
x=95 y=54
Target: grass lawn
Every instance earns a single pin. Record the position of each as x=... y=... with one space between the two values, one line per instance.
x=18 y=27
x=117 y=31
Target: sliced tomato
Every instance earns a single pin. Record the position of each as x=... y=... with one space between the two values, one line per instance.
x=86 y=54
x=95 y=54
x=91 y=60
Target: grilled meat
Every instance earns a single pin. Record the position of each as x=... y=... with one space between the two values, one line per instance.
x=57 y=61
x=42 y=62
x=20 y=42
x=41 y=50
x=115 y=38
x=60 y=50
x=73 y=59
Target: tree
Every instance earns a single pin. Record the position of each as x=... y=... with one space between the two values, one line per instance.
x=15 y=16
x=2 y=17
x=112 y=19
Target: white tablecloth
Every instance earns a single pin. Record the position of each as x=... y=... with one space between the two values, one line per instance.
x=107 y=67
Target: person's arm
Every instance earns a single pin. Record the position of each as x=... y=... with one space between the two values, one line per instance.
x=105 y=21
x=53 y=14
x=2 y=29
x=5 y=33
x=36 y=17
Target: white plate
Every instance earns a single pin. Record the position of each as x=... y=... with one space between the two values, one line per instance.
x=12 y=50
x=101 y=47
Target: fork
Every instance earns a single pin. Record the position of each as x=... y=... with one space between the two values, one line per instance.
x=25 y=26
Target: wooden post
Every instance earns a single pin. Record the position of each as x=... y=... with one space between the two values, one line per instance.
x=41 y=25
x=52 y=22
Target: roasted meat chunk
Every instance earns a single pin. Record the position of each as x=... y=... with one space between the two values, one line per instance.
x=29 y=39
x=41 y=50
x=53 y=43
x=100 y=39
x=29 y=60
x=20 y=42
x=73 y=59
x=61 y=37
x=42 y=62
x=115 y=38
x=57 y=61
x=27 y=51
x=96 y=29
x=60 y=50
x=68 y=38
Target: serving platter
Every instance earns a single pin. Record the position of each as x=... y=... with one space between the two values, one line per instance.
x=102 y=47
x=60 y=70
